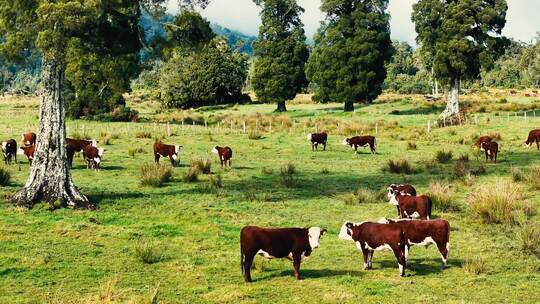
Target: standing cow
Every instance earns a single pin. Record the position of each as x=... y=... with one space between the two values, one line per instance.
x=9 y=149
x=28 y=139
x=292 y=243
x=403 y=189
x=491 y=149
x=170 y=151
x=93 y=157
x=371 y=237
x=534 y=137
x=361 y=141
x=29 y=152
x=225 y=155
x=77 y=145
x=317 y=139
x=481 y=140
x=415 y=207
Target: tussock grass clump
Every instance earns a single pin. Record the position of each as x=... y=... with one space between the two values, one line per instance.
x=529 y=238
x=155 y=175
x=106 y=140
x=443 y=156
x=534 y=177
x=254 y=135
x=518 y=175
x=216 y=181
x=442 y=197
x=5 y=177
x=267 y=171
x=474 y=264
x=325 y=171
x=461 y=169
x=204 y=165
x=288 y=176
x=411 y=145
x=463 y=157
x=143 y=134
x=79 y=135
x=501 y=203
x=192 y=175
x=148 y=253
x=401 y=166
x=364 y=196
x=131 y=152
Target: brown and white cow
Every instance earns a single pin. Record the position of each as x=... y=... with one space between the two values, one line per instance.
x=93 y=157
x=9 y=149
x=317 y=139
x=29 y=152
x=404 y=189
x=481 y=140
x=512 y=93
x=77 y=145
x=225 y=155
x=415 y=207
x=361 y=141
x=534 y=137
x=28 y=139
x=425 y=233
x=292 y=243
x=491 y=150
x=370 y=237
x=170 y=151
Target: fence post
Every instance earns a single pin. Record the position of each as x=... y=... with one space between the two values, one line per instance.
x=317 y=128
x=525 y=115
x=476 y=119
x=244 y=126
x=257 y=125
x=270 y=126
x=232 y=125
x=376 y=128
x=304 y=128
x=515 y=114
x=205 y=124
x=429 y=126
x=182 y=124
x=168 y=129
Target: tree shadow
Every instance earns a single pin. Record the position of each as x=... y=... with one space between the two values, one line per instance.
x=419 y=111
x=112 y=168
x=97 y=198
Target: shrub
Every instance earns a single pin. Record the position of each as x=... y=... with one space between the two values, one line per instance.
x=143 y=134
x=148 y=253
x=461 y=169
x=363 y=196
x=534 y=177
x=529 y=237
x=204 y=165
x=287 y=175
x=155 y=175
x=443 y=156
x=411 y=145
x=192 y=175
x=517 y=175
x=501 y=203
x=5 y=177
x=474 y=264
x=254 y=135
x=442 y=197
x=401 y=166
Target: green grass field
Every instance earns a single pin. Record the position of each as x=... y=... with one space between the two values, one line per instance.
x=192 y=230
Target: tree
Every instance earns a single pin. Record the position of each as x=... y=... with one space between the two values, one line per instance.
x=50 y=26
x=460 y=36
x=280 y=53
x=189 y=30
x=351 y=47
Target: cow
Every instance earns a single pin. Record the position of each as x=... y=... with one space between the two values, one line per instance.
x=292 y=243
x=29 y=152
x=534 y=136
x=491 y=150
x=77 y=145
x=403 y=189
x=361 y=141
x=425 y=233
x=224 y=153
x=528 y=95
x=482 y=139
x=512 y=93
x=9 y=149
x=417 y=207
x=28 y=139
x=317 y=139
x=93 y=156
x=170 y=151
x=535 y=91
x=370 y=237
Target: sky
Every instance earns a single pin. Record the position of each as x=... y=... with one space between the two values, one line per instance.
x=243 y=15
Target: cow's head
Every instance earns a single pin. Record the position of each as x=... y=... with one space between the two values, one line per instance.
x=393 y=198
x=528 y=144
x=215 y=150
x=309 y=136
x=391 y=190
x=28 y=151
x=4 y=146
x=346 y=142
x=176 y=151
x=346 y=231
x=314 y=236
x=94 y=142
x=101 y=151
x=483 y=146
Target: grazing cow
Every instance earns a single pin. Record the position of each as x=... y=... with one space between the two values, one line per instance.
x=28 y=139
x=535 y=91
x=77 y=145
x=317 y=139
x=29 y=152
x=170 y=151
x=491 y=149
x=481 y=140
x=224 y=153
x=512 y=93
x=292 y=243
x=403 y=189
x=534 y=136
x=371 y=237
x=9 y=149
x=425 y=233
x=361 y=141
x=528 y=95
x=93 y=156
x=416 y=207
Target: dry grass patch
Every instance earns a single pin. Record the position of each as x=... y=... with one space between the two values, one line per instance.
x=155 y=175
x=529 y=238
x=364 y=196
x=442 y=197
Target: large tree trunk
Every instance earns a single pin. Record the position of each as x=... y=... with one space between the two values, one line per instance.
x=348 y=106
x=50 y=178
x=434 y=84
x=452 y=104
x=281 y=107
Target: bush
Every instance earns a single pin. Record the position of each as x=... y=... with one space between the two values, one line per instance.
x=203 y=165
x=529 y=237
x=287 y=175
x=461 y=169
x=143 y=134
x=148 y=253
x=534 y=177
x=401 y=166
x=364 y=196
x=5 y=177
x=501 y=203
x=192 y=175
x=155 y=175
x=442 y=197
x=118 y=114
x=518 y=175
x=474 y=264
x=411 y=145
x=443 y=156
x=254 y=135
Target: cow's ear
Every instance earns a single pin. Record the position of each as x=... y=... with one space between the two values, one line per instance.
x=349 y=225
x=323 y=232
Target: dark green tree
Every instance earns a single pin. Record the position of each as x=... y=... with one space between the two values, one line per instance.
x=351 y=47
x=280 y=53
x=189 y=30
x=459 y=37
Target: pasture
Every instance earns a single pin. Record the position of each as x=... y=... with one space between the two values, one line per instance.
x=179 y=243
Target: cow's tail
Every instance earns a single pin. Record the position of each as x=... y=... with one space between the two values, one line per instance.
x=242 y=258
x=429 y=207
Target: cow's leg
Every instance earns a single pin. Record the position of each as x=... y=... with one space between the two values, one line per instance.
x=398 y=212
x=365 y=253
x=172 y=161
x=356 y=148
x=156 y=158
x=230 y=163
x=297 y=259
x=248 y=262
x=324 y=146
x=370 y=259
x=444 y=249
x=400 y=256
x=538 y=144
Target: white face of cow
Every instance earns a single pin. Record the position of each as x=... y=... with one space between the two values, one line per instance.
x=94 y=143
x=4 y=145
x=345 y=142
x=174 y=156
x=177 y=149
x=215 y=150
x=393 y=200
x=346 y=232
x=101 y=151
x=309 y=136
x=314 y=234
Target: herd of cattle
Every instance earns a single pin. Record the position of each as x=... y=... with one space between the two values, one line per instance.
x=414 y=226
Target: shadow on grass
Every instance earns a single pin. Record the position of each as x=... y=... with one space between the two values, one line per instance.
x=97 y=198
x=306 y=274
x=419 y=111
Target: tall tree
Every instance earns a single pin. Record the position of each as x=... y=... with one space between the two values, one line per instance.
x=351 y=47
x=50 y=26
x=280 y=53
x=459 y=36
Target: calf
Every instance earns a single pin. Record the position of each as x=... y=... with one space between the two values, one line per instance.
x=170 y=151
x=317 y=139
x=292 y=243
x=417 y=207
x=491 y=149
x=534 y=136
x=371 y=237
x=425 y=233
x=9 y=149
x=512 y=93
x=481 y=140
x=77 y=145
x=403 y=189
x=29 y=152
x=361 y=141
x=224 y=153
x=528 y=95
x=28 y=139
x=93 y=157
